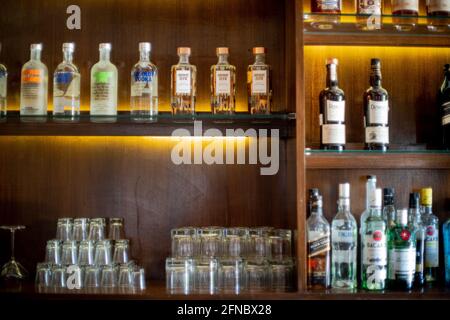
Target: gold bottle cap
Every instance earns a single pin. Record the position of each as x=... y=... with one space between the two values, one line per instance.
x=184 y=50
x=332 y=61
x=222 y=50
x=259 y=50
x=426 y=195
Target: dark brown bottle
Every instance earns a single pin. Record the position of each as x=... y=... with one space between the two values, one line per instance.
x=444 y=107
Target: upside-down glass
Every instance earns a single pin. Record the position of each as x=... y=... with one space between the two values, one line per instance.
x=59 y=277
x=92 y=277
x=97 y=229
x=210 y=241
x=235 y=242
x=13 y=269
x=125 y=277
x=231 y=276
x=103 y=253
x=258 y=243
x=206 y=275
x=80 y=229
x=64 y=228
x=86 y=253
x=121 y=255
x=279 y=243
x=179 y=275
x=69 y=253
x=281 y=275
x=43 y=275
x=109 y=277
x=53 y=252
x=184 y=242
x=257 y=275
x=116 y=231
x=138 y=278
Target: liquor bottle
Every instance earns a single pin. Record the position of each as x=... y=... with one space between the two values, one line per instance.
x=376 y=110
x=223 y=84
x=374 y=254
x=326 y=6
x=144 y=87
x=259 y=83
x=184 y=84
x=34 y=85
x=332 y=111
x=313 y=193
x=371 y=186
x=440 y=8
x=415 y=218
x=405 y=14
x=431 y=223
x=344 y=243
x=318 y=238
x=66 y=86
x=401 y=253
x=3 y=88
x=389 y=207
x=104 y=82
x=369 y=14
x=444 y=105
x=446 y=232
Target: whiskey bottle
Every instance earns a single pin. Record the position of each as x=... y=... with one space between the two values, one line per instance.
x=318 y=247
x=374 y=254
x=313 y=193
x=259 y=84
x=184 y=84
x=326 y=6
x=376 y=110
x=440 y=8
x=223 y=84
x=34 y=85
x=371 y=186
x=144 y=87
x=389 y=207
x=104 y=82
x=332 y=111
x=344 y=243
x=431 y=223
x=369 y=14
x=444 y=106
x=415 y=218
x=66 y=86
x=405 y=14
x=3 y=88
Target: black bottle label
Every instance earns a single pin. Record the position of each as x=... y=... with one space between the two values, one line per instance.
x=445 y=113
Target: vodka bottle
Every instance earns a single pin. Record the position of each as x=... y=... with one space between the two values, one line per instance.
x=3 y=88
x=184 y=84
x=371 y=185
x=431 y=224
x=415 y=220
x=223 y=84
x=259 y=83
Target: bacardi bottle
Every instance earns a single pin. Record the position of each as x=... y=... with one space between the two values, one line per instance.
x=223 y=84
x=344 y=243
x=376 y=111
x=259 y=83
x=332 y=111
x=3 y=88
x=415 y=220
x=318 y=243
x=402 y=253
x=389 y=207
x=374 y=255
x=431 y=223
x=444 y=107
x=184 y=84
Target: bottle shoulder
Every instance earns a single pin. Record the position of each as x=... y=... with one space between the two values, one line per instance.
x=145 y=66
x=66 y=67
x=104 y=66
x=34 y=64
x=316 y=221
x=3 y=68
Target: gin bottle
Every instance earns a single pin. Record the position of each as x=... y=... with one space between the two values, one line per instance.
x=389 y=207
x=374 y=254
x=144 y=87
x=318 y=247
x=66 y=86
x=34 y=85
x=431 y=224
x=344 y=243
x=104 y=81
x=259 y=84
x=402 y=253
x=223 y=84
x=3 y=88
x=446 y=231
x=415 y=220
x=184 y=84
x=371 y=186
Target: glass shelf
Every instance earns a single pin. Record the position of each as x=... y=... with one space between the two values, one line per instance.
x=376 y=152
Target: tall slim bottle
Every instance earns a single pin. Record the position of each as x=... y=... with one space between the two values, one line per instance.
x=318 y=247
x=223 y=84
x=415 y=220
x=144 y=87
x=389 y=207
x=3 y=88
x=259 y=83
x=184 y=84
x=66 y=86
x=104 y=82
x=34 y=86
x=374 y=254
x=431 y=223
x=371 y=186
x=344 y=243
x=446 y=232
x=444 y=107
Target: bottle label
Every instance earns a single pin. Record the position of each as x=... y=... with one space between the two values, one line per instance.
x=63 y=78
x=183 y=82
x=375 y=252
x=143 y=83
x=223 y=82
x=102 y=94
x=66 y=84
x=342 y=236
x=333 y=134
x=259 y=82
x=335 y=111
x=369 y=6
x=377 y=135
x=318 y=243
x=378 y=112
x=412 y=5
x=431 y=247
x=3 y=84
x=33 y=95
x=438 y=6
x=402 y=264
x=328 y=5
x=446 y=113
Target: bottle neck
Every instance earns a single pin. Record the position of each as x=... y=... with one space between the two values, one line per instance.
x=332 y=80
x=427 y=209
x=184 y=59
x=375 y=78
x=415 y=214
x=68 y=56
x=375 y=211
x=260 y=58
x=446 y=83
x=144 y=56
x=370 y=188
x=223 y=59
x=344 y=204
x=104 y=55
x=35 y=55
x=315 y=210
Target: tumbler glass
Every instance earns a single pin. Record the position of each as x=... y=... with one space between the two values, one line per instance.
x=80 y=229
x=92 y=277
x=258 y=243
x=210 y=241
x=69 y=253
x=86 y=253
x=235 y=242
x=125 y=277
x=139 y=278
x=257 y=275
x=43 y=275
x=109 y=277
x=184 y=242
x=179 y=275
x=59 y=279
x=102 y=253
x=97 y=229
x=64 y=229
x=53 y=252
x=280 y=244
x=231 y=275
x=206 y=276
x=116 y=231
x=281 y=275
x=121 y=255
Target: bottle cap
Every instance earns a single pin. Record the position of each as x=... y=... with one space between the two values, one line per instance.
x=426 y=194
x=375 y=198
x=68 y=46
x=145 y=46
x=344 y=190
x=414 y=200
x=222 y=50
x=332 y=61
x=259 y=50
x=104 y=46
x=388 y=196
x=401 y=217
x=371 y=177
x=375 y=62
x=313 y=192
x=184 y=50
x=36 y=46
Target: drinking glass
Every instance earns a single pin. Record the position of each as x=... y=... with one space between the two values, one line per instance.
x=102 y=253
x=120 y=255
x=92 y=277
x=139 y=278
x=116 y=229
x=80 y=229
x=109 y=277
x=235 y=242
x=59 y=277
x=125 y=277
x=231 y=276
x=184 y=242
x=258 y=243
x=179 y=275
x=69 y=254
x=64 y=228
x=256 y=275
x=43 y=275
x=281 y=275
x=206 y=275
x=53 y=252
x=210 y=241
x=280 y=244
x=86 y=253
x=13 y=269
x=97 y=229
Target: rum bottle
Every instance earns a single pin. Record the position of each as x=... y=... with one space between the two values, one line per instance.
x=431 y=223
x=184 y=84
x=223 y=84
x=444 y=107
x=3 y=88
x=415 y=218
x=259 y=84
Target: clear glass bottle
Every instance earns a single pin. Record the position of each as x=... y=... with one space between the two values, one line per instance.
x=223 y=84
x=259 y=84
x=3 y=88
x=446 y=232
x=104 y=82
x=184 y=84
x=318 y=247
x=371 y=186
x=374 y=254
x=144 y=87
x=402 y=253
x=369 y=14
x=34 y=85
x=66 y=86
x=431 y=223
x=389 y=207
x=443 y=104
x=415 y=220
x=344 y=243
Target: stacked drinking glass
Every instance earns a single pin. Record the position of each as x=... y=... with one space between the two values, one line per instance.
x=82 y=257
x=230 y=260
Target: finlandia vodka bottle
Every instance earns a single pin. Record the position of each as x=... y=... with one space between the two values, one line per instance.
x=223 y=88
x=259 y=84
x=3 y=88
x=371 y=186
x=66 y=86
x=389 y=207
x=374 y=254
x=415 y=220
x=344 y=243
x=144 y=87
x=184 y=84
x=431 y=224
x=34 y=85
x=104 y=80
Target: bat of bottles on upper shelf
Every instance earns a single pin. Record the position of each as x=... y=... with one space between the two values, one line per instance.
x=144 y=86
x=405 y=14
